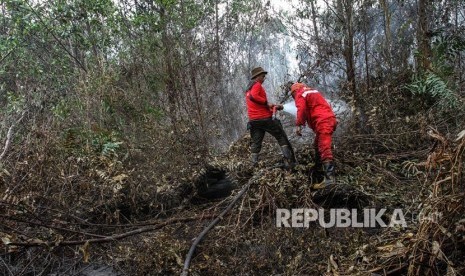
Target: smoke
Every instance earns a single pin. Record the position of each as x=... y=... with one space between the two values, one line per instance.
x=290 y=108
x=339 y=107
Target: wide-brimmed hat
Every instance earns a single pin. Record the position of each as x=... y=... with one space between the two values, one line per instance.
x=257 y=71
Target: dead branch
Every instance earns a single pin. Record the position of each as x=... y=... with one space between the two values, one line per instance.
x=6 y=266
x=9 y=135
x=52 y=227
x=36 y=242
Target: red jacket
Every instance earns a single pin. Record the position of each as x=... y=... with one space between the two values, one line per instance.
x=311 y=107
x=257 y=104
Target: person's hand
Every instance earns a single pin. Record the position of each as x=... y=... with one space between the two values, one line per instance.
x=298 y=130
x=270 y=105
x=279 y=106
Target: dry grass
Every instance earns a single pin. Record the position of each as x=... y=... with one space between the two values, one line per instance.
x=246 y=242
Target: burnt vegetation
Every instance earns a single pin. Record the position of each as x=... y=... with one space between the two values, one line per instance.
x=122 y=137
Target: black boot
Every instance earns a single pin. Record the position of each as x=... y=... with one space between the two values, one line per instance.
x=289 y=158
x=254 y=159
x=328 y=179
x=316 y=171
x=317 y=166
x=330 y=176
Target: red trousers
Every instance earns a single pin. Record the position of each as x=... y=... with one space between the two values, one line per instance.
x=323 y=138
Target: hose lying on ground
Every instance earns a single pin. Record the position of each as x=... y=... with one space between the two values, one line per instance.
x=197 y=240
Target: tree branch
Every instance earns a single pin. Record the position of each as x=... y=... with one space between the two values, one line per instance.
x=36 y=242
x=9 y=135
x=7 y=54
x=56 y=38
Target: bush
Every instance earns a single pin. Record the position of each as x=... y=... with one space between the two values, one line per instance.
x=435 y=91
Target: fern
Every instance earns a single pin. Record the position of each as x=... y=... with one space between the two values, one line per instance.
x=435 y=88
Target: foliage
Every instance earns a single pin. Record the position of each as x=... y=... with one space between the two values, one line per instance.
x=15 y=103
x=434 y=90
x=438 y=85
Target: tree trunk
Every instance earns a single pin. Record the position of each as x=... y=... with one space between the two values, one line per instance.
x=459 y=55
x=170 y=75
x=424 y=48
x=315 y=26
x=317 y=38
x=345 y=8
x=365 y=44
x=199 y=107
x=387 y=32
x=219 y=70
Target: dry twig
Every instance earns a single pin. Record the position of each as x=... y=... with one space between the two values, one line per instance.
x=9 y=135
x=37 y=242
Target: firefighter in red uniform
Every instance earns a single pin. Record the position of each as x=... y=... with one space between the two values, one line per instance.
x=314 y=110
x=260 y=115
